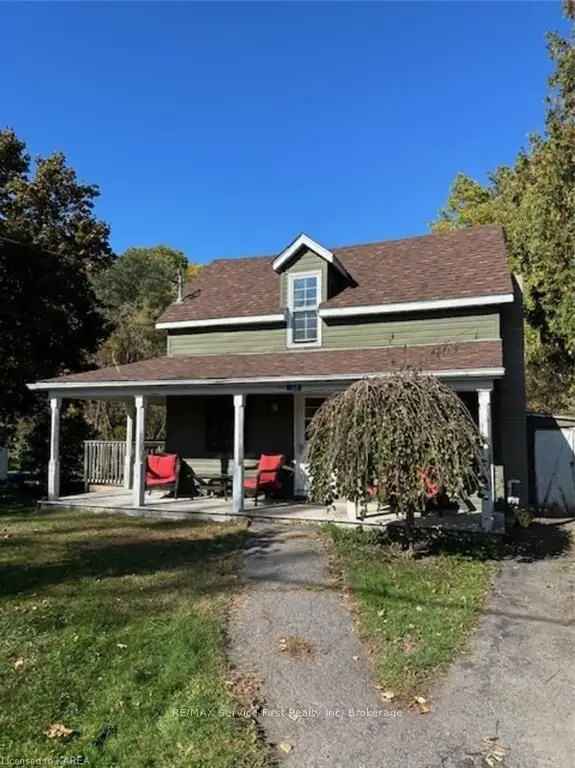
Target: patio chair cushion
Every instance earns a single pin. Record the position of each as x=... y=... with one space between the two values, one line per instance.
x=268 y=476
x=161 y=469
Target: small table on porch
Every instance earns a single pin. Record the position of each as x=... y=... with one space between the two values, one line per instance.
x=216 y=482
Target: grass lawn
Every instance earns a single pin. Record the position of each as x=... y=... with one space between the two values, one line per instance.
x=414 y=613
x=114 y=628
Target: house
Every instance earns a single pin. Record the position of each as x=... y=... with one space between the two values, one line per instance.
x=255 y=344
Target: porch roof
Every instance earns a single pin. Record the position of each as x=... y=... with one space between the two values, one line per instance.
x=476 y=358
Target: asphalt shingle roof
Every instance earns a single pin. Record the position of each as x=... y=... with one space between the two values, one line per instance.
x=329 y=363
x=464 y=263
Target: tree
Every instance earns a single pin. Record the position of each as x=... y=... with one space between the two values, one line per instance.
x=50 y=208
x=133 y=292
x=51 y=245
x=398 y=435
x=535 y=202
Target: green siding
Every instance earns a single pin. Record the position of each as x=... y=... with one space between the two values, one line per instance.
x=237 y=341
x=353 y=334
x=391 y=333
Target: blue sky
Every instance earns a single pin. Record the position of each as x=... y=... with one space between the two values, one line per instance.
x=226 y=129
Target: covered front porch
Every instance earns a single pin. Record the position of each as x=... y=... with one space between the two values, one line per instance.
x=209 y=421
x=163 y=506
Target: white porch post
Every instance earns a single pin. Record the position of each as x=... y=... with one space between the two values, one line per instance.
x=139 y=488
x=238 y=489
x=54 y=464
x=485 y=427
x=129 y=457
x=299 y=442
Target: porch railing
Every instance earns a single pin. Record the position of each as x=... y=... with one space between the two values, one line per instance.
x=104 y=460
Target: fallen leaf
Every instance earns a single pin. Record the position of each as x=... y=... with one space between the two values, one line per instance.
x=388 y=695
x=295 y=646
x=285 y=747
x=58 y=731
x=421 y=704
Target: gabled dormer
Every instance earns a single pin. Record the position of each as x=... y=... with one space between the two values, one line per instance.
x=309 y=276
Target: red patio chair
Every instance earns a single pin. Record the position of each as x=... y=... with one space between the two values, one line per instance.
x=267 y=479
x=162 y=470
x=436 y=497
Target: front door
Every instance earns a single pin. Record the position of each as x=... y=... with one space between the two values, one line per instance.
x=305 y=407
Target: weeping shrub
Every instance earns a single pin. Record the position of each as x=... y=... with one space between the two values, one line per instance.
x=397 y=438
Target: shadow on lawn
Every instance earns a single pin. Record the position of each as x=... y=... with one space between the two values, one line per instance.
x=17 y=502
x=540 y=541
x=145 y=551
x=108 y=558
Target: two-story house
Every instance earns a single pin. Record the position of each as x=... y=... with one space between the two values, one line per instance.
x=255 y=344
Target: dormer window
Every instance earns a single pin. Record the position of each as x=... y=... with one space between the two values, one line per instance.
x=304 y=298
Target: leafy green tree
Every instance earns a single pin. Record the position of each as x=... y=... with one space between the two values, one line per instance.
x=50 y=208
x=535 y=202
x=29 y=447
x=133 y=293
x=51 y=245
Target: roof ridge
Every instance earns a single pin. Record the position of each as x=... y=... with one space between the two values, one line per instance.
x=235 y=259
x=371 y=243
x=427 y=235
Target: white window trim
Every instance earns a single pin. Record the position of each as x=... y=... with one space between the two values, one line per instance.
x=303 y=344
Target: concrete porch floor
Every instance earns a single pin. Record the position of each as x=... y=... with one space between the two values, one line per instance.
x=158 y=504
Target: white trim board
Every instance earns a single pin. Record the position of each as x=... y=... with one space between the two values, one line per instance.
x=414 y=306
x=246 y=320
x=368 y=309
x=304 y=241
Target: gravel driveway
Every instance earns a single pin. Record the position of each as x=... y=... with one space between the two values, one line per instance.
x=511 y=696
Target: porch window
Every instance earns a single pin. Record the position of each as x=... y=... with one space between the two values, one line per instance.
x=304 y=302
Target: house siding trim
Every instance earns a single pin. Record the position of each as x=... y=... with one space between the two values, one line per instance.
x=417 y=306
x=249 y=319
x=301 y=242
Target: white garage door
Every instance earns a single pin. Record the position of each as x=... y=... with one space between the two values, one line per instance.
x=555 y=467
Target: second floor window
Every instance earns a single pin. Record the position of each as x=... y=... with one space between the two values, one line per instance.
x=304 y=302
